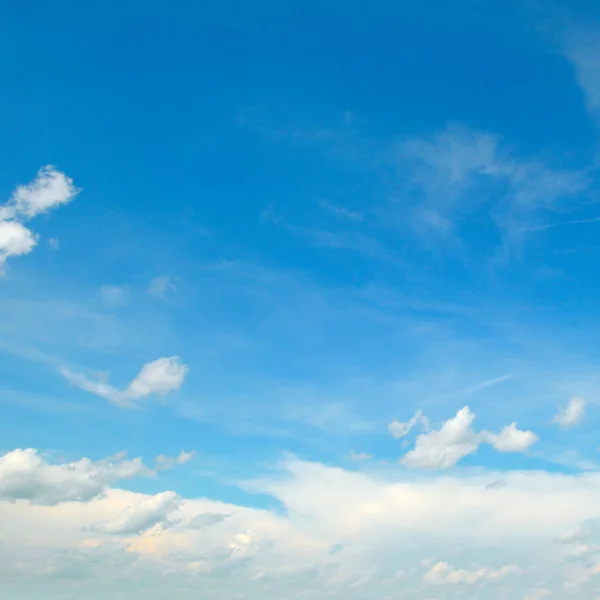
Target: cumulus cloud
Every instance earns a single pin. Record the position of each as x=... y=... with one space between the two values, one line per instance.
x=510 y=439
x=25 y=475
x=148 y=513
x=158 y=377
x=49 y=189
x=571 y=414
x=443 y=573
x=381 y=522
x=456 y=438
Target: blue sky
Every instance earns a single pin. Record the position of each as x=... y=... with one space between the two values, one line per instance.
x=304 y=265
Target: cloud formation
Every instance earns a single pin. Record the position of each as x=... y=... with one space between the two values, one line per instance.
x=24 y=475
x=48 y=190
x=158 y=377
x=143 y=515
x=571 y=414
x=456 y=438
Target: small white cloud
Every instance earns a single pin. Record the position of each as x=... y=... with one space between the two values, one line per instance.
x=24 y=475
x=114 y=295
x=399 y=430
x=15 y=240
x=159 y=286
x=49 y=189
x=158 y=377
x=54 y=243
x=511 y=439
x=148 y=513
x=571 y=414
x=444 y=448
x=443 y=573
x=168 y=462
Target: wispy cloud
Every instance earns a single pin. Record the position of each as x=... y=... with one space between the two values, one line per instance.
x=158 y=377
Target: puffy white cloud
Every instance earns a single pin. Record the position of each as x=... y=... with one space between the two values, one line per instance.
x=444 y=448
x=49 y=189
x=443 y=573
x=145 y=514
x=158 y=377
x=24 y=475
x=398 y=429
x=511 y=439
x=15 y=240
x=571 y=414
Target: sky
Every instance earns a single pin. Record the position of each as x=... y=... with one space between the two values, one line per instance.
x=299 y=300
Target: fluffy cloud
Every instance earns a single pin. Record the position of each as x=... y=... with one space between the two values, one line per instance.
x=145 y=514
x=24 y=475
x=444 y=448
x=443 y=573
x=158 y=377
x=377 y=523
x=48 y=190
x=571 y=414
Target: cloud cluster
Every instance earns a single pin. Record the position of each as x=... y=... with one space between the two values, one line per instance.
x=158 y=377
x=49 y=189
x=25 y=475
x=356 y=534
x=456 y=438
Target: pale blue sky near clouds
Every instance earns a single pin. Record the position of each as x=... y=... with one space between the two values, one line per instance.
x=345 y=254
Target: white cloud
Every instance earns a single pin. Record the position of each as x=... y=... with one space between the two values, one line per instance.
x=444 y=448
x=458 y=168
x=168 y=462
x=143 y=515
x=582 y=47
x=159 y=286
x=399 y=430
x=378 y=523
x=511 y=439
x=24 y=475
x=571 y=414
x=15 y=240
x=49 y=189
x=158 y=377
x=443 y=573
